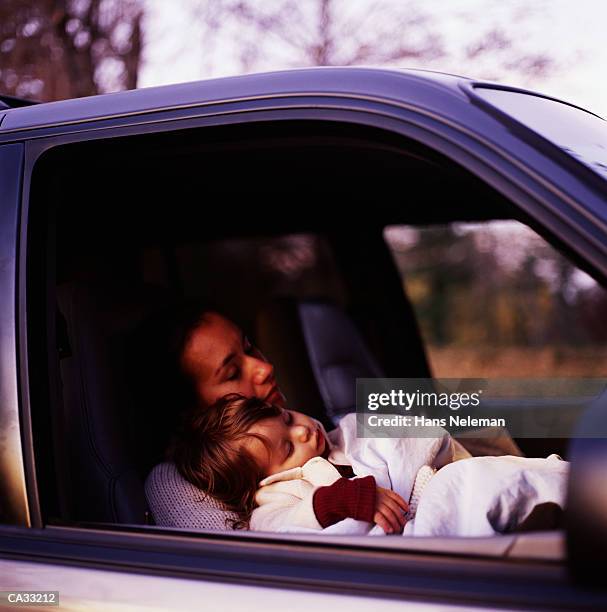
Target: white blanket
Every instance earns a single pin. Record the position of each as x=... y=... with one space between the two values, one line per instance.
x=483 y=496
x=478 y=496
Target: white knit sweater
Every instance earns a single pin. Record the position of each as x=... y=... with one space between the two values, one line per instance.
x=175 y=502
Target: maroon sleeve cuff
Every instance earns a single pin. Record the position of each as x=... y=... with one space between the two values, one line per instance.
x=345 y=499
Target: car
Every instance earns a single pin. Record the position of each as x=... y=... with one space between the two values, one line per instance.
x=303 y=202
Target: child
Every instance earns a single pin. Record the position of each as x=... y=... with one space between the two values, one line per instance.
x=277 y=469
x=280 y=471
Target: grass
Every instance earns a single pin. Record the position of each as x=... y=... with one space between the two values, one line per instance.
x=523 y=362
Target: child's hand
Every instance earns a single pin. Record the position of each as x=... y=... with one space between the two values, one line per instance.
x=390 y=510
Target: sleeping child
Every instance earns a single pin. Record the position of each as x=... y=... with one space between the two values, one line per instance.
x=278 y=470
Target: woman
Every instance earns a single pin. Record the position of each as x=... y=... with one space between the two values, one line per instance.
x=207 y=356
x=211 y=358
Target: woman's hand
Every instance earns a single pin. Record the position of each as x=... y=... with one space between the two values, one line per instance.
x=390 y=510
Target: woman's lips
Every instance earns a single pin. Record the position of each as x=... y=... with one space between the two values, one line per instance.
x=274 y=396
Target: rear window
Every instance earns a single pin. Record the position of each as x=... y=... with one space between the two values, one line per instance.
x=494 y=299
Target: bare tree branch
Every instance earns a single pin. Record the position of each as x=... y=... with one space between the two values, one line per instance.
x=336 y=32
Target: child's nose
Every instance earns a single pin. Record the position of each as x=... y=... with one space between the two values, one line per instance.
x=302 y=433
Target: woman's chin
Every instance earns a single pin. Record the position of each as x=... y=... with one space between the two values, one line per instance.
x=278 y=399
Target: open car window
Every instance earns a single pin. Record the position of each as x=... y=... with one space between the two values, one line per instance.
x=240 y=216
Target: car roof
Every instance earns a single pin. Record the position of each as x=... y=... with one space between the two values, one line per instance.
x=436 y=91
x=453 y=101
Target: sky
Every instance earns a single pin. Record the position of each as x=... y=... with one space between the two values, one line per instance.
x=571 y=32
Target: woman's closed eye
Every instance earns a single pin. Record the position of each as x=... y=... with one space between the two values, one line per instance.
x=234 y=374
x=288 y=417
x=248 y=349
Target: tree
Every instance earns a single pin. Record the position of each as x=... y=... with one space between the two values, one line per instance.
x=55 y=49
x=343 y=32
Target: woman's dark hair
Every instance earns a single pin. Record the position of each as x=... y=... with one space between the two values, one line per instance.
x=163 y=390
x=166 y=337
x=209 y=453
x=183 y=321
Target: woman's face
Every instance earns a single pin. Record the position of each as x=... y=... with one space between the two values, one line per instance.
x=221 y=360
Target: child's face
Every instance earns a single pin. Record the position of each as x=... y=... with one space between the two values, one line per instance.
x=292 y=439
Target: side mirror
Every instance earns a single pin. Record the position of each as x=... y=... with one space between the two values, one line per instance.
x=587 y=499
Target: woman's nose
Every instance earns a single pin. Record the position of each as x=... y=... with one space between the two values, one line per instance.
x=262 y=372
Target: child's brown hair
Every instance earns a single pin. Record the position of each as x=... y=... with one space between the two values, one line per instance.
x=208 y=451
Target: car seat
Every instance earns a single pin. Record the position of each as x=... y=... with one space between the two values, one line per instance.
x=105 y=479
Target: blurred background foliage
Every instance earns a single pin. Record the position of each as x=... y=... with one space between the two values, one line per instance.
x=495 y=299
x=56 y=49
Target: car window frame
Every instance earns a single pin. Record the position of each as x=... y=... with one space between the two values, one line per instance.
x=12 y=462
x=526 y=132
x=268 y=560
